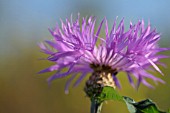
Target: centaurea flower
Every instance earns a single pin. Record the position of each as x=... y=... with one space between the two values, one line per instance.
x=78 y=48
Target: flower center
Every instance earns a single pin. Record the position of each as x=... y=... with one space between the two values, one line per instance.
x=101 y=77
x=103 y=68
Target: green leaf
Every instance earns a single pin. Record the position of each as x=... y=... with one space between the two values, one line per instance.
x=108 y=93
x=145 y=106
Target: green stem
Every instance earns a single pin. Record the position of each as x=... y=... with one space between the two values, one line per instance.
x=96 y=107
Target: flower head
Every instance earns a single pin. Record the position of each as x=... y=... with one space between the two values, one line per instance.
x=77 y=47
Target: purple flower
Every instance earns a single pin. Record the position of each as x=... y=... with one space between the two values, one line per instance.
x=79 y=49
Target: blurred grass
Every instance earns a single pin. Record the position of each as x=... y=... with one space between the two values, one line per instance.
x=24 y=91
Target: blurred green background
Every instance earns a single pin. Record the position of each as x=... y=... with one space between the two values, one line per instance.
x=24 y=23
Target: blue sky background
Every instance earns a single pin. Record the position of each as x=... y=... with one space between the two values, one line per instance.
x=28 y=20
